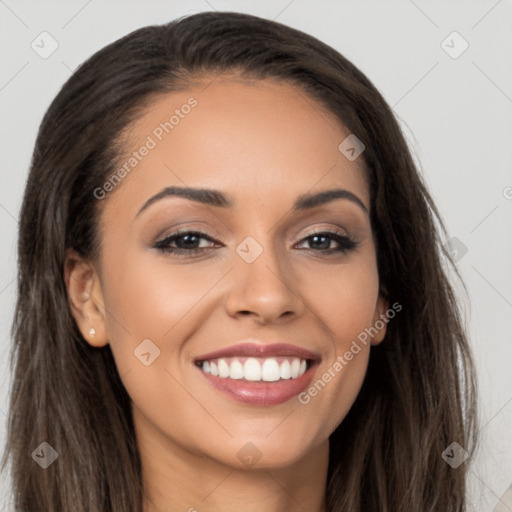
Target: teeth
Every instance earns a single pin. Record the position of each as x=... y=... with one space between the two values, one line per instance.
x=295 y=368
x=236 y=370
x=252 y=369
x=256 y=369
x=270 y=370
x=223 y=368
x=285 y=371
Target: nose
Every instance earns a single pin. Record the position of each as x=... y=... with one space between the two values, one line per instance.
x=265 y=288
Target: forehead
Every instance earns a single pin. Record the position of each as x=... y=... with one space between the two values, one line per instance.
x=256 y=140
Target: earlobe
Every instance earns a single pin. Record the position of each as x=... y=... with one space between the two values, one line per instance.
x=85 y=298
x=380 y=320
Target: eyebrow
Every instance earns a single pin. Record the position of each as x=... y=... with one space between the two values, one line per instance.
x=217 y=198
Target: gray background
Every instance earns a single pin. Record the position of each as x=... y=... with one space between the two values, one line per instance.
x=456 y=114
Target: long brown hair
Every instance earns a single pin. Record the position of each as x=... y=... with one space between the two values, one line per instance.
x=419 y=393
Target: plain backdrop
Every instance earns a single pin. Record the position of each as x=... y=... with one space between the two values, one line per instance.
x=451 y=92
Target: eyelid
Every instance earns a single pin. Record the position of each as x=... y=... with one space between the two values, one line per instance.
x=183 y=228
x=318 y=230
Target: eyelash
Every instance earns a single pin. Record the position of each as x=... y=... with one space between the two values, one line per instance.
x=346 y=243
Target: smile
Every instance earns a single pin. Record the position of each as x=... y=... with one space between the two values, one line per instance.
x=256 y=369
x=257 y=374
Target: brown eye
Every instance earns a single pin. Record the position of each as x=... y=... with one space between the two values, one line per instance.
x=183 y=242
x=321 y=241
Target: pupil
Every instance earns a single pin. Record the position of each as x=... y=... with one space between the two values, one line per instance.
x=325 y=245
x=188 y=240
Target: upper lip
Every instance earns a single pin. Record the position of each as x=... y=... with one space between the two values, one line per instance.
x=255 y=348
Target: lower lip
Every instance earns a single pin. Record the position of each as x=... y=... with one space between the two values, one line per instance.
x=261 y=393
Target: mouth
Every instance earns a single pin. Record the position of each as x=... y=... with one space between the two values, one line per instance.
x=256 y=369
x=259 y=374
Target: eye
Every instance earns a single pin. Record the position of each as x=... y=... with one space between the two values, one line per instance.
x=187 y=242
x=320 y=241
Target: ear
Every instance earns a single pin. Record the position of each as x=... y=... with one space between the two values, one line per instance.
x=380 y=319
x=85 y=298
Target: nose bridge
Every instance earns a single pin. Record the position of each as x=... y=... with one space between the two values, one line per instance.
x=262 y=281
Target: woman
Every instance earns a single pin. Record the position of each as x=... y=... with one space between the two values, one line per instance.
x=231 y=288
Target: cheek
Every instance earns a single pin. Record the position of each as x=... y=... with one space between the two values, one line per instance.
x=147 y=300
x=344 y=299
x=152 y=299
x=345 y=303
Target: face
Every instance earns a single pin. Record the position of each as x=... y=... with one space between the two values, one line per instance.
x=232 y=336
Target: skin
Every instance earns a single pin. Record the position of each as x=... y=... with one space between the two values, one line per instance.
x=264 y=143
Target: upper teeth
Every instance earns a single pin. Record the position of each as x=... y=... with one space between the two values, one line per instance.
x=255 y=369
